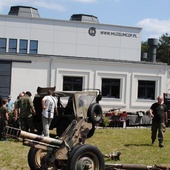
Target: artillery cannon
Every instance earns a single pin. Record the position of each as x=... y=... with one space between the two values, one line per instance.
x=67 y=152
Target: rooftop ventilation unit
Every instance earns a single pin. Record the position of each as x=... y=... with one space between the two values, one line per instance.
x=153 y=43
x=84 y=18
x=24 y=11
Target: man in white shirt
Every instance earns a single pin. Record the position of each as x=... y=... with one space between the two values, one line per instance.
x=49 y=106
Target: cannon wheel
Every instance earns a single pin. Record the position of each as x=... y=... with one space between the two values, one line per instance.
x=85 y=157
x=95 y=113
x=91 y=132
x=36 y=161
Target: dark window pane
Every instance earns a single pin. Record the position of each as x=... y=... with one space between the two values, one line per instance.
x=146 y=89
x=23 y=46
x=33 y=47
x=72 y=83
x=3 y=44
x=111 y=88
x=13 y=45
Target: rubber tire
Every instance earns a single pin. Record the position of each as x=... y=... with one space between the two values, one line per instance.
x=95 y=113
x=85 y=153
x=32 y=156
x=91 y=132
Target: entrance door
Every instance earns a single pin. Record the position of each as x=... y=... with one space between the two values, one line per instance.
x=5 y=78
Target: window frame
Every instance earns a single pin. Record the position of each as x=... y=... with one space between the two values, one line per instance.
x=3 y=46
x=146 y=87
x=111 y=87
x=33 y=48
x=12 y=48
x=23 y=49
x=72 y=83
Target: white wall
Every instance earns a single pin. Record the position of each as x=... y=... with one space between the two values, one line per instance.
x=28 y=76
x=70 y=38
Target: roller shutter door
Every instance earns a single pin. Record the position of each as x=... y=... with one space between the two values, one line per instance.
x=167 y=102
x=5 y=78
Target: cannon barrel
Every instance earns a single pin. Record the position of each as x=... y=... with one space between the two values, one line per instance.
x=14 y=132
x=134 y=166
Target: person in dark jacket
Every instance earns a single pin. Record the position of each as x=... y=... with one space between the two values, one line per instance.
x=158 y=112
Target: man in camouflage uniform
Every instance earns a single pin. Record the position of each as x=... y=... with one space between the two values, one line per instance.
x=3 y=119
x=25 y=110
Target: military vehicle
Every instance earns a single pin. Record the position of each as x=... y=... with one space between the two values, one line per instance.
x=68 y=151
x=66 y=108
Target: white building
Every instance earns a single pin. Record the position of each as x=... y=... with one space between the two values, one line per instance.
x=76 y=55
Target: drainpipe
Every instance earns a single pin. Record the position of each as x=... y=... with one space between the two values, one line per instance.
x=50 y=71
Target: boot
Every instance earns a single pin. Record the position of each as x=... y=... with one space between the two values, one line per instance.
x=153 y=141
x=161 y=143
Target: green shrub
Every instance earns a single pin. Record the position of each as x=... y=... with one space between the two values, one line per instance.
x=106 y=121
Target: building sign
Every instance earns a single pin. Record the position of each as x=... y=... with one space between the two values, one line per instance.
x=92 y=32
x=121 y=34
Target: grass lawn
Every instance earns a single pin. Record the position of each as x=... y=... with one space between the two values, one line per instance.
x=134 y=144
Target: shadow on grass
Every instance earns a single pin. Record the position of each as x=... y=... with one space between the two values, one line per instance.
x=127 y=145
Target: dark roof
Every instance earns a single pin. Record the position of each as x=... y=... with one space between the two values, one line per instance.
x=84 y=18
x=24 y=11
x=80 y=58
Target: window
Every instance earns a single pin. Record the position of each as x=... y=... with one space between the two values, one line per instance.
x=23 y=46
x=111 y=88
x=3 y=44
x=72 y=83
x=12 y=45
x=33 y=47
x=146 y=89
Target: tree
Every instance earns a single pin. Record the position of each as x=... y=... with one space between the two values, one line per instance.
x=163 y=50
x=145 y=49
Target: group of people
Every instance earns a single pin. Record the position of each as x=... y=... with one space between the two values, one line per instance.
x=22 y=111
x=16 y=113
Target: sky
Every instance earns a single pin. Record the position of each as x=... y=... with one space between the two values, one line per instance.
x=153 y=16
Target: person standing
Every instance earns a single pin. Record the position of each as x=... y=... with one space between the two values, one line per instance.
x=158 y=112
x=10 y=104
x=49 y=108
x=16 y=123
x=10 y=107
x=3 y=119
x=25 y=111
